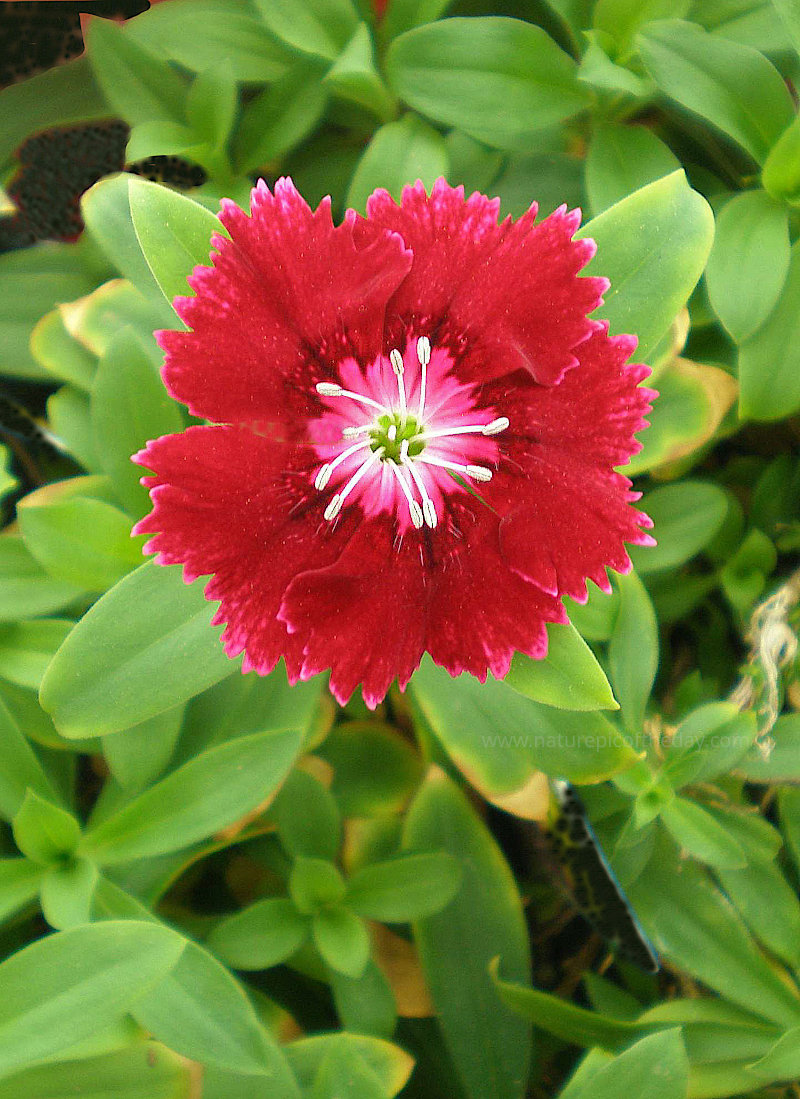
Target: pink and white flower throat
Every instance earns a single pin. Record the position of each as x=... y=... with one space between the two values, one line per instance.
x=401 y=436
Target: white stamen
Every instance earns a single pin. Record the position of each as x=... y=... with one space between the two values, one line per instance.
x=391 y=434
x=477 y=473
x=496 y=426
x=397 y=366
x=329 y=389
x=352 y=432
x=325 y=472
x=335 y=505
x=428 y=506
x=414 y=509
x=424 y=357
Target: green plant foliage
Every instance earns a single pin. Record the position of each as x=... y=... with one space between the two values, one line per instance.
x=216 y=885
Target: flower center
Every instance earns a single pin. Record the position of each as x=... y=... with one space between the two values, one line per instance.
x=400 y=447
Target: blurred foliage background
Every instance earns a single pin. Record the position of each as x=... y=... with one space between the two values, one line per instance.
x=253 y=893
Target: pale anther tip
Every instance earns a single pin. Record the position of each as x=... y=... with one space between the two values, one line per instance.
x=424 y=350
x=328 y=389
x=479 y=473
x=496 y=426
x=396 y=360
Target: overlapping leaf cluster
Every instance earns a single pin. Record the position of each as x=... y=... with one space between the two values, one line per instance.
x=218 y=885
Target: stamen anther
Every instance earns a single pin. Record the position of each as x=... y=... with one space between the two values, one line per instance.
x=496 y=426
x=322 y=478
x=424 y=357
x=399 y=369
x=329 y=389
x=353 y=432
x=429 y=511
x=333 y=508
x=479 y=473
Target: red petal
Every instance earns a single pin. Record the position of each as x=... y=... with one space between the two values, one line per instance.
x=231 y=503
x=511 y=290
x=287 y=286
x=363 y=615
x=482 y=611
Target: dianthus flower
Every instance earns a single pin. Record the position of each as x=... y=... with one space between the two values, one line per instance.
x=415 y=429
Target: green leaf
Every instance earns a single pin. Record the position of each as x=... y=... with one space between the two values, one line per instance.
x=146 y=664
x=779 y=759
x=633 y=651
x=315 y=884
x=343 y=1072
x=655 y=1067
x=19 y=884
x=281 y=116
x=402 y=15
x=769 y=361
x=318 y=27
x=106 y=210
x=34 y=280
x=693 y=400
x=342 y=940
x=81 y=541
x=732 y=86
x=790 y=17
x=695 y=927
x=136 y=83
x=137 y=756
x=400 y=153
x=749 y=262
x=781 y=174
x=129 y=407
x=354 y=75
x=365 y=1004
x=54 y=348
x=375 y=769
x=162 y=139
x=212 y=103
x=307 y=817
x=768 y=904
x=782 y=1062
x=67 y=891
x=484 y=920
x=404 y=889
x=686 y=517
x=144 y=1071
x=597 y=70
x=498 y=739
x=596 y=617
x=202 y=1012
x=569 y=677
x=565 y=1020
x=620 y=160
x=698 y=833
x=498 y=80
x=392 y=1064
x=64 y=988
x=174 y=233
x=204 y=795
x=66 y=93
x=70 y=420
x=619 y=20
x=43 y=832
x=652 y=273
x=20 y=769
x=26 y=648
x=262 y=935
x=230 y=29
x=708 y=743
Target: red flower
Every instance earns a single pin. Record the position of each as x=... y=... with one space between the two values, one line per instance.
x=414 y=438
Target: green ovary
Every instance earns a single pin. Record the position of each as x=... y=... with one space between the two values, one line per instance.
x=405 y=429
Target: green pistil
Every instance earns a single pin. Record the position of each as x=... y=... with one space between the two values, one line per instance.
x=406 y=428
